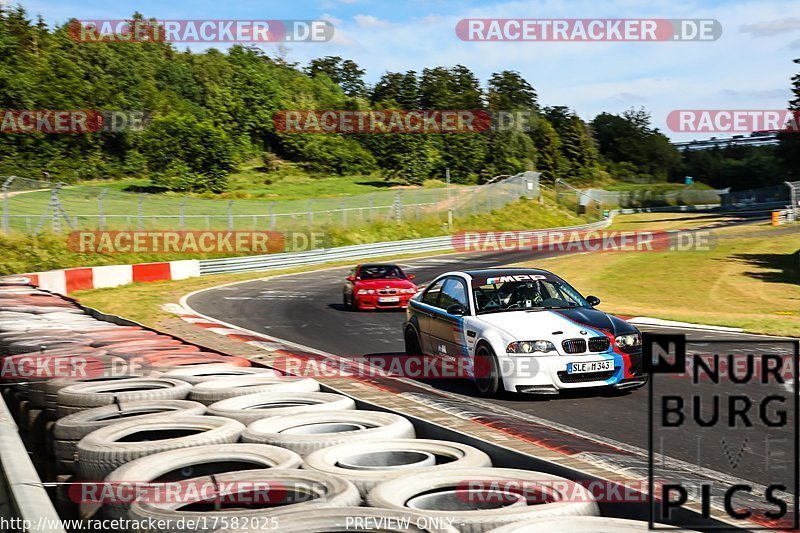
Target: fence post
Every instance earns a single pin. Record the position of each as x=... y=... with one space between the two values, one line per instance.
x=230 y=215
x=183 y=212
x=310 y=215
x=344 y=215
x=6 y=185
x=371 y=207
x=140 y=222
x=101 y=210
x=416 y=204
x=272 y=216
x=398 y=208
x=475 y=201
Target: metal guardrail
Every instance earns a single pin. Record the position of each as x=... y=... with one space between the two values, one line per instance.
x=345 y=253
x=22 y=495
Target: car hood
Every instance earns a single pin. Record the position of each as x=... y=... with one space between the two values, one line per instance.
x=525 y=325
x=382 y=283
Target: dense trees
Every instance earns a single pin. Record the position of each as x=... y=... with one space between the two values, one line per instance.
x=213 y=110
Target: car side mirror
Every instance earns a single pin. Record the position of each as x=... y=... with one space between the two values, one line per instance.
x=593 y=300
x=456 y=309
x=411 y=276
x=351 y=278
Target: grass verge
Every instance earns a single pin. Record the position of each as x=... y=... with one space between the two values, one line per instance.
x=751 y=280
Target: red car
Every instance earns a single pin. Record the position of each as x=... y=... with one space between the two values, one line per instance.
x=378 y=286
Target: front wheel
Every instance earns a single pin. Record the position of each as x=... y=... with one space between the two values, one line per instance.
x=487 y=372
x=412 y=343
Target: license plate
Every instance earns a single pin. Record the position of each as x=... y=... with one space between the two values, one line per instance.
x=590 y=366
x=389 y=299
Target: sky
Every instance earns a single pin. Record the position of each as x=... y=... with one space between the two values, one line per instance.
x=748 y=68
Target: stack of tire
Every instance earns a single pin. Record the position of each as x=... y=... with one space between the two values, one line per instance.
x=270 y=452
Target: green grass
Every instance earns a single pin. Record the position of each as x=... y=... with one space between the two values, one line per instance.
x=750 y=280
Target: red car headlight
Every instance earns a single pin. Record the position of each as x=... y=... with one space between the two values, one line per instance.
x=365 y=291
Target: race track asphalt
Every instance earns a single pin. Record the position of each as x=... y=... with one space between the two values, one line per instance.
x=307 y=309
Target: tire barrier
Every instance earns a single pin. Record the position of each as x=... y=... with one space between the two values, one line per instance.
x=68 y=430
x=309 y=432
x=103 y=450
x=251 y=407
x=209 y=392
x=310 y=492
x=179 y=465
x=82 y=396
x=195 y=374
x=366 y=464
x=481 y=499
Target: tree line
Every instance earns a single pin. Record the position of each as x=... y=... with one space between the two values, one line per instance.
x=213 y=110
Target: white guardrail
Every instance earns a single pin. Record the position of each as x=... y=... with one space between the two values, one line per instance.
x=347 y=253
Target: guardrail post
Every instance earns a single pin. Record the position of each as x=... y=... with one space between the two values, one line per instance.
x=230 y=215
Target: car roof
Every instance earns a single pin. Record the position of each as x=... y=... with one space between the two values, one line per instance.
x=496 y=272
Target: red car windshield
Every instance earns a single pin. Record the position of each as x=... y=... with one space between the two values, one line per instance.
x=381 y=272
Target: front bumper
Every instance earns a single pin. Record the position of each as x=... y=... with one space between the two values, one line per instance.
x=371 y=301
x=544 y=374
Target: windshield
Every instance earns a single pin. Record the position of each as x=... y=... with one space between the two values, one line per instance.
x=522 y=295
x=381 y=272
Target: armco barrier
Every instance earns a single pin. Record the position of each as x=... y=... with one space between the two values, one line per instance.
x=347 y=253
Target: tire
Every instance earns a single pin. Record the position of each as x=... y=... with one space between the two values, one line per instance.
x=342 y=519
x=70 y=429
x=195 y=374
x=401 y=492
x=374 y=459
x=215 y=390
x=412 y=344
x=251 y=407
x=104 y=450
x=486 y=372
x=580 y=524
x=83 y=396
x=326 y=492
x=299 y=434
x=51 y=388
x=216 y=459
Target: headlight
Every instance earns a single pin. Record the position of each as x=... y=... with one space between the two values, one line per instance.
x=530 y=347
x=408 y=291
x=629 y=340
x=366 y=291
